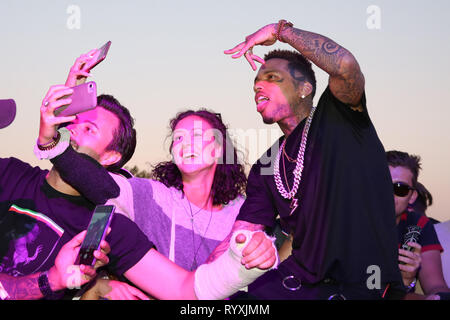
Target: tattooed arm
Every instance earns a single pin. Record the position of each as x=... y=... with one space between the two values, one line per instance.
x=27 y=287
x=20 y=288
x=346 y=79
x=63 y=274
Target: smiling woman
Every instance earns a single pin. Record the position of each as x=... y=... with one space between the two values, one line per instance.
x=189 y=205
x=197 y=130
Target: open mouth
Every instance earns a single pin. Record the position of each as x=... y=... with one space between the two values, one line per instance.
x=261 y=101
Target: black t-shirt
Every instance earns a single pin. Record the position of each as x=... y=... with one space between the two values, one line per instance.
x=37 y=220
x=428 y=238
x=345 y=220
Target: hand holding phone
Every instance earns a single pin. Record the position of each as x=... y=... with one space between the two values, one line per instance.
x=84 y=97
x=99 y=56
x=96 y=232
x=84 y=63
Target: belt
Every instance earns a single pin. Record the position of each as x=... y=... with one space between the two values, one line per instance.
x=292 y=282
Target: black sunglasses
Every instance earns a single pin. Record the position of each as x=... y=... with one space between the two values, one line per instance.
x=401 y=189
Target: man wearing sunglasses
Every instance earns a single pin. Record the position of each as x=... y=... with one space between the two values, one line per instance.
x=424 y=261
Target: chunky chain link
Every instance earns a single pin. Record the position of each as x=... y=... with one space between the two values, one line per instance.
x=300 y=159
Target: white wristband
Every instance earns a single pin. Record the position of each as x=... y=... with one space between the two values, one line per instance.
x=60 y=147
x=226 y=275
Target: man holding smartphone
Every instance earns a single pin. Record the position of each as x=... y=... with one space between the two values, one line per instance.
x=39 y=212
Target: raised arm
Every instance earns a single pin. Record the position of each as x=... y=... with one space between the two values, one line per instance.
x=346 y=79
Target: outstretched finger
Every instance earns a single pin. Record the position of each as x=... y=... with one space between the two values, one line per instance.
x=59 y=93
x=248 y=56
x=247 y=46
x=59 y=120
x=51 y=90
x=235 y=49
x=260 y=60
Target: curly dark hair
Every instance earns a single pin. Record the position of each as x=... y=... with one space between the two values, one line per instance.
x=229 y=178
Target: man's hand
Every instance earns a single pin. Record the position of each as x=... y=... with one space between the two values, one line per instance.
x=49 y=122
x=412 y=260
x=78 y=73
x=266 y=36
x=259 y=252
x=64 y=274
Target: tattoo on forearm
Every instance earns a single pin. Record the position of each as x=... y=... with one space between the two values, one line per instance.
x=330 y=47
x=325 y=53
x=21 y=288
x=333 y=59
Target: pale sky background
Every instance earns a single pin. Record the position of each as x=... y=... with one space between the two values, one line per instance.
x=167 y=56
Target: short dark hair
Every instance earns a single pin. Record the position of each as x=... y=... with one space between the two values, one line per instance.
x=298 y=61
x=229 y=179
x=424 y=198
x=402 y=159
x=124 y=137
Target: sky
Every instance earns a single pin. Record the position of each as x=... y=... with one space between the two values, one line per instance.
x=167 y=56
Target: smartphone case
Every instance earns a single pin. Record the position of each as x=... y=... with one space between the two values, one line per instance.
x=96 y=232
x=101 y=55
x=84 y=98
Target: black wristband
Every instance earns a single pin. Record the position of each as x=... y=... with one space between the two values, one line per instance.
x=45 y=288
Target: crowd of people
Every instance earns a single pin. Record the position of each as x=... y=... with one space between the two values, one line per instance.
x=199 y=227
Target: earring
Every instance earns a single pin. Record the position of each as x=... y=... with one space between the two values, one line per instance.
x=303 y=96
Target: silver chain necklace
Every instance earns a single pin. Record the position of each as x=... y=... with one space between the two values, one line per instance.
x=298 y=168
x=194 y=264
